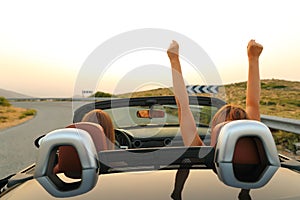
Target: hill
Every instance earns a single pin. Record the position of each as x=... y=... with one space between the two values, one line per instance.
x=278 y=97
x=12 y=94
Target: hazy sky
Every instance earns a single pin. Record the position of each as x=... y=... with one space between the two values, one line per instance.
x=43 y=44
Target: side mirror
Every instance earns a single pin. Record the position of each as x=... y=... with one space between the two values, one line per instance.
x=150 y=114
x=84 y=145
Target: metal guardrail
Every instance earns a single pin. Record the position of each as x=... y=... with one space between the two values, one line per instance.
x=60 y=99
x=280 y=123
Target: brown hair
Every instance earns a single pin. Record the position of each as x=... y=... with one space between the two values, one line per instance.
x=100 y=117
x=228 y=113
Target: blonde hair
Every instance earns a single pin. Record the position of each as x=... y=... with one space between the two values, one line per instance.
x=98 y=116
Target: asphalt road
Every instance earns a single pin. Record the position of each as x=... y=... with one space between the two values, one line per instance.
x=17 y=149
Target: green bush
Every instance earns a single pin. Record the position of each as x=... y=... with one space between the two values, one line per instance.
x=286 y=140
x=293 y=102
x=4 y=102
x=269 y=86
x=267 y=103
x=241 y=85
x=101 y=94
x=28 y=112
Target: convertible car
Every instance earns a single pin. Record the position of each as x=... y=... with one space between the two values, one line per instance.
x=149 y=160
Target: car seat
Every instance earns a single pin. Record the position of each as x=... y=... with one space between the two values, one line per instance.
x=68 y=159
x=245 y=154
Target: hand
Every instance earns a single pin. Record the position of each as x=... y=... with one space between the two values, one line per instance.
x=254 y=49
x=173 y=49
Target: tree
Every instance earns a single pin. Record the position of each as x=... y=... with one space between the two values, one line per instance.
x=101 y=94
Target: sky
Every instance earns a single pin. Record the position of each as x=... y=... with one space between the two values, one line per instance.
x=44 y=44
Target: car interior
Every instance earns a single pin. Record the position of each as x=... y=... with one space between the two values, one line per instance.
x=228 y=163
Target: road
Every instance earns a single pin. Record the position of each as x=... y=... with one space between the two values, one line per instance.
x=17 y=149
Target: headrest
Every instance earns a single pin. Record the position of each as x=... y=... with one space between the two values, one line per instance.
x=68 y=159
x=95 y=131
x=84 y=145
x=246 y=156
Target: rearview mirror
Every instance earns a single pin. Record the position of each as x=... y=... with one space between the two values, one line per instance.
x=150 y=114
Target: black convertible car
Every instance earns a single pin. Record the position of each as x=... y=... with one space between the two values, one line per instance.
x=150 y=161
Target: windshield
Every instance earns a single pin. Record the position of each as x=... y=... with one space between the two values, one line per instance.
x=126 y=117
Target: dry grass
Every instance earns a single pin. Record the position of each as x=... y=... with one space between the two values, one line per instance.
x=278 y=97
x=12 y=116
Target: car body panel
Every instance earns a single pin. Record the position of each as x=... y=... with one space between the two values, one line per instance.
x=200 y=184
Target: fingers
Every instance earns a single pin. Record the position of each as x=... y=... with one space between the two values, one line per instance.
x=173 y=49
x=254 y=49
x=254 y=43
x=174 y=45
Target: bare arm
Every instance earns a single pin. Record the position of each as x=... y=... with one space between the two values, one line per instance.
x=187 y=123
x=253 y=85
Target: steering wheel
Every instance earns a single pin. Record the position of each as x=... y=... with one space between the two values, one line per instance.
x=122 y=139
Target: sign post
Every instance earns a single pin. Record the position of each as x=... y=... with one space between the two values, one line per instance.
x=86 y=92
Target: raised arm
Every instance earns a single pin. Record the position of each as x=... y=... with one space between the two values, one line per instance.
x=253 y=85
x=187 y=123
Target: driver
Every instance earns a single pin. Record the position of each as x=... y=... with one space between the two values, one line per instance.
x=98 y=116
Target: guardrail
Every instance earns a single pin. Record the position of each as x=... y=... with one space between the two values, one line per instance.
x=60 y=99
x=280 y=123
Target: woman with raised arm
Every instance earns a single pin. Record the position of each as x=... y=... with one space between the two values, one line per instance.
x=225 y=114
x=187 y=123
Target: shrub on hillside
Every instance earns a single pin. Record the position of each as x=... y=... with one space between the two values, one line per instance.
x=286 y=140
x=101 y=94
x=4 y=102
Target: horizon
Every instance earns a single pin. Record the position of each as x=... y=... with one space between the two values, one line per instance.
x=80 y=95
x=41 y=54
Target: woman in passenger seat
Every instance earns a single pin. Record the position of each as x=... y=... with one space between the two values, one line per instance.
x=226 y=113
x=245 y=146
x=98 y=116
